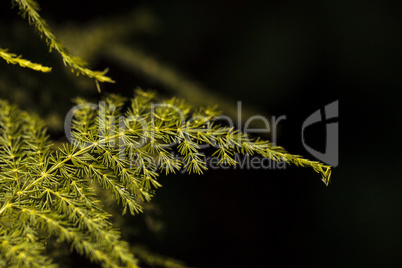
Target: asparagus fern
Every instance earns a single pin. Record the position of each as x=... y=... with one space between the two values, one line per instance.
x=120 y=145
x=48 y=192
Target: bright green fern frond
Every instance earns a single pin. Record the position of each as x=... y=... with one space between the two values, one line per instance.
x=148 y=138
x=30 y=9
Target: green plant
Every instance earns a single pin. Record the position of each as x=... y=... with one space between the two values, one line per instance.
x=118 y=148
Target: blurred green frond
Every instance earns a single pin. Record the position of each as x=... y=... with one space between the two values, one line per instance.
x=157 y=260
x=109 y=40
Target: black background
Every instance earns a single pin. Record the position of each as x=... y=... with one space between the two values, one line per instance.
x=288 y=58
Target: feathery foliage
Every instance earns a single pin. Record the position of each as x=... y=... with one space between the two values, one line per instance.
x=118 y=145
x=48 y=193
x=43 y=192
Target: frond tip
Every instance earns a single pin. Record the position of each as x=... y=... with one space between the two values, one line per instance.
x=11 y=58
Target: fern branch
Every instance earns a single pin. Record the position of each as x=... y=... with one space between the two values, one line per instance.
x=164 y=125
x=57 y=203
x=29 y=9
x=82 y=243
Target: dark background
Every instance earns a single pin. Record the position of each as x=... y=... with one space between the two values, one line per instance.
x=287 y=58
